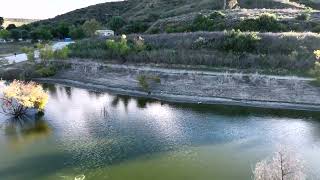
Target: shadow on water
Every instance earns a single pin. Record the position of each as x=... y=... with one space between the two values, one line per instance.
x=35 y=167
x=26 y=130
x=239 y=111
x=22 y=132
x=230 y=111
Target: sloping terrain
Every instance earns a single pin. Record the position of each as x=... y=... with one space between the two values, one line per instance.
x=287 y=16
x=152 y=10
x=17 y=22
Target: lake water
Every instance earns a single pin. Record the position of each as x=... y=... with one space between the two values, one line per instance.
x=104 y=136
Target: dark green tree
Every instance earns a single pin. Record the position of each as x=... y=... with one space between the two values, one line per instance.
x=1 y=22
x=63 y=30
x=41 y=33
x=11 y=26
x=116 y=23
x=90 y=27
x=15 y=34
x=76 y=32
x=136 y=27
x=4 y=34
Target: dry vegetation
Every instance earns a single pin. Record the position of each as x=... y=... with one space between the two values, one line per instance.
x=279 y=53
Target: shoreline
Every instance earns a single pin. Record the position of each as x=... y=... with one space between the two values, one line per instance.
x=190 y=99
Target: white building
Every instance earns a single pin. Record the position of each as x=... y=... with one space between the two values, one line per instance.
x=104 y=33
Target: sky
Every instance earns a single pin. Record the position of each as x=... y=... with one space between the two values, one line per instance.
x=42 y=9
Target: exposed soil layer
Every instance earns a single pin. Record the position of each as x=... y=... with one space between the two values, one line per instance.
x=192 y=86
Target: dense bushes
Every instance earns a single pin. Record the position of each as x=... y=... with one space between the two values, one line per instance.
x=46 y=53
x=110 y=49
x=89 y=48
x=45 y=71
x=29 y=51
x=120 y=47
x=217 y=21
x=231 y=49
x=61 y=53
x=264 y=23
x=146 y=81
x=303 y=16
x=213 y=22
x=232 y=41
x=237 y=41
x=316 y=70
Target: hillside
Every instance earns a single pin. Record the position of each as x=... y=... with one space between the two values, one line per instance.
x=151 y=10
x=17 y=22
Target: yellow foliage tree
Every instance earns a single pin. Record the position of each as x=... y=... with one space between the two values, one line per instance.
x=317 y=54
x=20 y=96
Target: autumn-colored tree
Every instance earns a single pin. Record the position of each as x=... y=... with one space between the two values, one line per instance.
x=19 y=96
x=317 y=54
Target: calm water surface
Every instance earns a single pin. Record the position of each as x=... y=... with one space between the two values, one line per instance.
x=104 y=136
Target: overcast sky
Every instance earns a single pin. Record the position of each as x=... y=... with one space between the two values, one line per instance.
x=42 y=9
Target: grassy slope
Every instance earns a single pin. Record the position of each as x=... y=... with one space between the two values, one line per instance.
x=152 y=10
x=233 y=16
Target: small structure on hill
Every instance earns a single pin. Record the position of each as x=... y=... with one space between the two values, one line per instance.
x=104 y=33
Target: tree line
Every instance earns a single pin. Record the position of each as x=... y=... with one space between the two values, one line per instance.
x=49 y=31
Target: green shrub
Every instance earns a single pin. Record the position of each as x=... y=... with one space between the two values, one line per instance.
x=316 y=29
x=203 y=23
x=217 y=15
x=136 y=27
x=175 y=29
x=213 y=22
x=154 y=30
x=61 y=53
x=303 y=16
x=264 y=23
x=116 y=22
x=143 y=82
x=46 y=71
x=46 y=53
x=119 y=48
x=237 y=41
x=268 y=22
x=29 y=51
x=89 y=48
x=316 y=70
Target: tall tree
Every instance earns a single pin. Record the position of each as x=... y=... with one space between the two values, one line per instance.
x=1 y=22
x=11 y=26
x=4 y=34
x=90 y=27
x=116 y=23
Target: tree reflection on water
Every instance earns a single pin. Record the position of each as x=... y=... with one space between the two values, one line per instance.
x=26 y=130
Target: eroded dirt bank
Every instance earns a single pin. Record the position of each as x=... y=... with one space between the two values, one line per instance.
x=192 y=86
